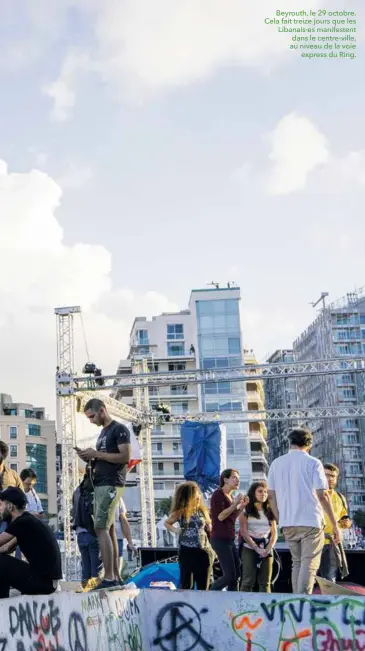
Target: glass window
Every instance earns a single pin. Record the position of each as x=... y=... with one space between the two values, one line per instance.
x=34 y=430
x=14 y=466
x=179 y=389
x=222 y=362
x=175 y=331
x=209 y=362
x=158 y=485
x=173 y=350
x=177 y=366
x=179 y=408
x=36 y=458
x=13 y=432
x=234 y=345
x=13 y=450
x=230 y=446
x=362 y=319
x=212 y=406
x=142 y=337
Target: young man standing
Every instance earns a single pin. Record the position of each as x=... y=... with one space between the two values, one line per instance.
x=38 y=544
x=109 y=461
x=333 y=556
x=298 y=495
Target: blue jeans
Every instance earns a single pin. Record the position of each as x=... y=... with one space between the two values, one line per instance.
x=90 y=555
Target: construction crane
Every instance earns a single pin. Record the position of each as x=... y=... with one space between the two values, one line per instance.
x=70 y=388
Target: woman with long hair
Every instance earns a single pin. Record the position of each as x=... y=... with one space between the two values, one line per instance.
x=225 y=511
x=259 y=533
x=196 y=556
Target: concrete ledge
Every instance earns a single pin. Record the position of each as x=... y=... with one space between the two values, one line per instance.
x=181 y=621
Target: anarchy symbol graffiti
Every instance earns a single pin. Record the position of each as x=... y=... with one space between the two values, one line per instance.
x=77 y=633
x=179 y=628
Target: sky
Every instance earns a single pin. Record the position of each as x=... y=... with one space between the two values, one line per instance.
x=151 y=147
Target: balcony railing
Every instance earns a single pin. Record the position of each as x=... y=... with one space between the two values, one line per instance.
x=167 y=473
x=167 y=453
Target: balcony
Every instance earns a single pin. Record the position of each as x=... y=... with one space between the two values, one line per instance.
x=259 y=457
x=173 y=433
x=167 y=453
x=259 y=476
x=167 y=473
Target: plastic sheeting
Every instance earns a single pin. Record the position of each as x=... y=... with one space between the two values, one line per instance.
x=204 y=452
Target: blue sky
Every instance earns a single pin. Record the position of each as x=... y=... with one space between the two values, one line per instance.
x=174 y=143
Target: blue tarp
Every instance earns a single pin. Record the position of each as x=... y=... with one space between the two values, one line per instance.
x=202 y=451
x=156 y=572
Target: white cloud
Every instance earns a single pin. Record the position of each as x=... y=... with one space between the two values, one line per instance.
x=143 y=47
x=297 y=148
x=38 y=272
x=75 y=176
x=62 y=91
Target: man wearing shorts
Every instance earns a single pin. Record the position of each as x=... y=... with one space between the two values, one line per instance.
x=110 y=461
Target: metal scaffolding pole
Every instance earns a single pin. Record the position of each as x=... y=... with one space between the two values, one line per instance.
x=149 y=535
x=66 y=428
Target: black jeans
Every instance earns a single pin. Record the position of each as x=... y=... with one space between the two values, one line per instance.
x=19 y=575
x=90 y=555
x=196 y=567
x=227 y=553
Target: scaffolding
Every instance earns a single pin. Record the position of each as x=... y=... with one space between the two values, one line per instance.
x=70 y=388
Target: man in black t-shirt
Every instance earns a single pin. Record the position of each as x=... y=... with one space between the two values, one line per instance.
x=110 y=462
x=40 y=575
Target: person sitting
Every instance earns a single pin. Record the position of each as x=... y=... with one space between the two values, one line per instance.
x=38 y=544
x=29 y=480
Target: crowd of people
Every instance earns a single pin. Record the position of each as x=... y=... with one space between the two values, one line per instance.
x=300 y=497
x=238 y=531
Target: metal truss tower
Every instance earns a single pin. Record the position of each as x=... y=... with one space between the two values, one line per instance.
x=66 y=430
x=148 y=518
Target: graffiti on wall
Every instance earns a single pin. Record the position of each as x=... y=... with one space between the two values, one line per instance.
x=35 y=625
x=295 y=623
x=179 y=628
x=113 y=621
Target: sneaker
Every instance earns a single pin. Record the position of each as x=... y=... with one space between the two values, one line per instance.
x=105 y=585
x=92 y=584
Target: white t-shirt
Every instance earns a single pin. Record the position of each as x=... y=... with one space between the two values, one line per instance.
x=121 y=509
x=295 y=478
x=34 y=505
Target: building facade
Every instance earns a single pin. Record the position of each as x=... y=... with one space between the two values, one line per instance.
x=338 y=331
x=207 y=336
x=280 y=393
x=257 y=432
x=31 y=438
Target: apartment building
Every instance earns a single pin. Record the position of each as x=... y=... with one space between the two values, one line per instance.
x=257 y=432
x=338 y=331
x=280 y=393
x=31 y=438
x=206 y=335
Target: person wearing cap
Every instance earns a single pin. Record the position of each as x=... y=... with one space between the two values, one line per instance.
x=38 y=544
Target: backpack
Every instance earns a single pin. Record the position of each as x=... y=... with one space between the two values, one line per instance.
x=83 y=508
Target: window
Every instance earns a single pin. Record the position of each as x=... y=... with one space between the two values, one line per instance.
x=158 y=468
x=179 y=408
x=350 y=439
x=353 y=468
x=177 y=468
x=142 y=338
x=176 y=446
x=217 y=387
x=36 y=458
x=362 y=319
x=179 y=389
x=358 y=499
x=174 y=350
x=34 y=430
x=157 y=448
x=175 y=331
x=158 y=485
x=13 y=432
x=10 y=412
x=13 y=450
x=14 y=466
x=152 y=367
x=176 y=366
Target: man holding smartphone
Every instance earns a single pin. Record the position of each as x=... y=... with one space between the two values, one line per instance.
x=333 y=556
x=109 y=462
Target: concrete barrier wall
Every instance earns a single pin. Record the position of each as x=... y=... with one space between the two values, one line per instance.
x=182 y=621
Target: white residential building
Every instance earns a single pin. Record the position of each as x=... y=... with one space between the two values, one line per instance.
x=207 y=335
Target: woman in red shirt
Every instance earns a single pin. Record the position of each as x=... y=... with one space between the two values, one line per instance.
x=224 y=512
